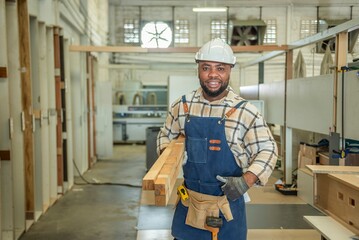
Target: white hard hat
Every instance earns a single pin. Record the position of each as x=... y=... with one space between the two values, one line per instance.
x=216 y=50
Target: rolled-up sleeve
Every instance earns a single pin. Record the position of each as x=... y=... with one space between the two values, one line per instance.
x=262 y=150
x=170 y=129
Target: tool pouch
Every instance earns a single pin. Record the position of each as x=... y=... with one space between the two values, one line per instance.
x=200 y=206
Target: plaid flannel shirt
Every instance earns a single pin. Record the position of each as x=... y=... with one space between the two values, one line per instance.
x=247 y=133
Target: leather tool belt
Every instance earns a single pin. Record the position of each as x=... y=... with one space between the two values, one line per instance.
x=200 y=206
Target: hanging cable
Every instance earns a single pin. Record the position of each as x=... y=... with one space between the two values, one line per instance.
x=101 y=183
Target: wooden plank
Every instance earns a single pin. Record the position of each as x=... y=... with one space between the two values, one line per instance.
x=148 y=182
x=129 y=49
x=5 y=155
x=333 y=169
x=3 y=72
x=24 y=59
x=166 y=180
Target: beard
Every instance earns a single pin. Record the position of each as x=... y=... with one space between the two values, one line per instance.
x=214 y=93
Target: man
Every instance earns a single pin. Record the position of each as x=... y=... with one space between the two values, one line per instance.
x=228 y=149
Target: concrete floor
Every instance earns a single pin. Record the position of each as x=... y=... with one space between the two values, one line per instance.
x=115 y=211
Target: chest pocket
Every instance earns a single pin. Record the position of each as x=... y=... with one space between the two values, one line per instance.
x=197 y=149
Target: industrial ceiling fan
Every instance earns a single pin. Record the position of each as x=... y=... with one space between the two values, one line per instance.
x=245 y=35
x=156 y=35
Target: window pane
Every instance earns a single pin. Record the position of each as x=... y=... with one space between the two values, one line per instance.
x=131 y=31
x=181 y=31
x=270 y=36
x=308 y=27
x=219 y=29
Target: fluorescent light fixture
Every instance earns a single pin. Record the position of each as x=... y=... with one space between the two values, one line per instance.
x=210 y=9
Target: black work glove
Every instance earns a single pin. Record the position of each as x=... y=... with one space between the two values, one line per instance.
x=233 y=187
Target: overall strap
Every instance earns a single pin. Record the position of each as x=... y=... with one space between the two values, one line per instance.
x=185 y=105
x=232 y=110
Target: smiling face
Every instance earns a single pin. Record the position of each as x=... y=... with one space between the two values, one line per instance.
x=214 y=79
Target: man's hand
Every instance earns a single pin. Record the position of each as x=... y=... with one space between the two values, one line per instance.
x=234 y=187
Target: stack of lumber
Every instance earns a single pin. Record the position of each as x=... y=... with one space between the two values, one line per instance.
x=162 y=176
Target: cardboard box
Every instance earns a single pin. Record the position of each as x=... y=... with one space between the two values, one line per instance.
x=309 y=154
x=324 y=158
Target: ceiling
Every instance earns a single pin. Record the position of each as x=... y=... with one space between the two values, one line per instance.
x=234 y=3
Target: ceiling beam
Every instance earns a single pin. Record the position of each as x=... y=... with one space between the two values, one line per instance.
x=129 y=49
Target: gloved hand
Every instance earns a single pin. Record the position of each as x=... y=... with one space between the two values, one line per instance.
x=233 y=187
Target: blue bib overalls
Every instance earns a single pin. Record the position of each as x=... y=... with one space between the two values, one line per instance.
x=208 y=156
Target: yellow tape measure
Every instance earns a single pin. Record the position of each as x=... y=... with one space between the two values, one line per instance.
x=181 y=190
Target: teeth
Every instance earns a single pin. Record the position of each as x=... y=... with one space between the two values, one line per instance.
x=213 y=84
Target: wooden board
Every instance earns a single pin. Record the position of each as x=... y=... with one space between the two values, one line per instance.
x=26 y=88
x=162 y=176
x=333 y=169
x=329 y=228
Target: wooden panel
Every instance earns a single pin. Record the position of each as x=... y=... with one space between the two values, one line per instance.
x=24 y=47
x=309 y=103
x=5 y=155
x=3 y=72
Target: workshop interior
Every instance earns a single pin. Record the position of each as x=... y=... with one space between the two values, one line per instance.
x=86 y=85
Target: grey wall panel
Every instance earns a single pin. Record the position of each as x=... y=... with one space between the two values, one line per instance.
x=249 y=92
x=273 y=96
x=351 y=105
x=310 y=103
